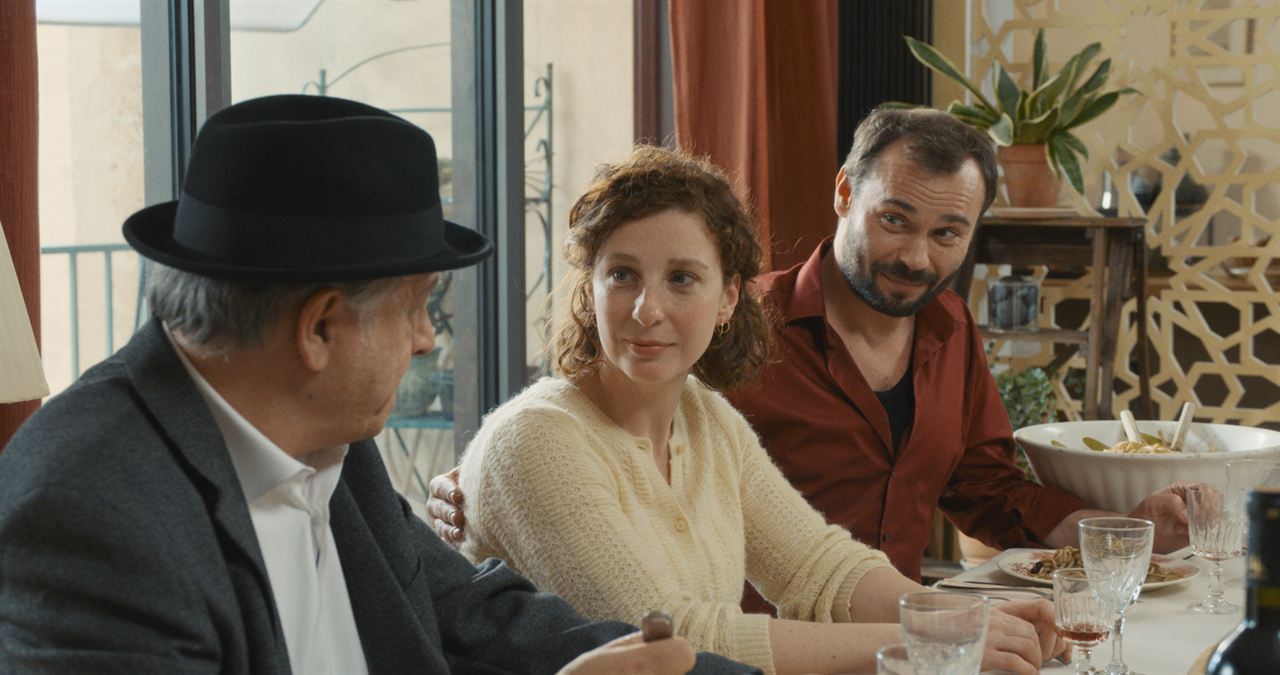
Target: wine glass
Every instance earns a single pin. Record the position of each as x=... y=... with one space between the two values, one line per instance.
x=1116 y=553
x=944 y=632
x=1216 y=527
x=1244 y=475
x=1082 y=620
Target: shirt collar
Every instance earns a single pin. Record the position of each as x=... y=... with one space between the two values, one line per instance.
x=938 y=320
x=261 y=465
x=806 y=299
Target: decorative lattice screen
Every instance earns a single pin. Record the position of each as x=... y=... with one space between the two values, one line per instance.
x=1208 y=116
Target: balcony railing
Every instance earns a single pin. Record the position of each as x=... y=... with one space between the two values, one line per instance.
x=74 y=257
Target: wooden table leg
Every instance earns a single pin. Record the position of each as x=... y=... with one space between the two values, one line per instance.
x=1094 y=358
x=1139 y=244
x=1119 y=260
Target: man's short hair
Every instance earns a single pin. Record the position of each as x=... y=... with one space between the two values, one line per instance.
x=220 y=316
x=937 y=141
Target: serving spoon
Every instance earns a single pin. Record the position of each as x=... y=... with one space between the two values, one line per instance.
x=1130 y=427
x=1184 y=423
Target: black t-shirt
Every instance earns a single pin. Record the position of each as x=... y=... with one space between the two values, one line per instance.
x=899 y=402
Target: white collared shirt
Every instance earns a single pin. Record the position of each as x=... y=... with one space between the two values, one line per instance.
x=289 y=505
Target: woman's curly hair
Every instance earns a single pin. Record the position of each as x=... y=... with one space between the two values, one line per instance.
x=648 y=181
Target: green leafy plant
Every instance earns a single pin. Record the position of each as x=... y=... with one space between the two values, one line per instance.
x=1028 y=399
x=1045 y=113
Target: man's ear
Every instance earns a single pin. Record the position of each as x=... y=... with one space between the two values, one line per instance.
x=314 y=331
x=844 y=193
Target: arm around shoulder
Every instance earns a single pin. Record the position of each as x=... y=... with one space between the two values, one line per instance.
x=988 y=496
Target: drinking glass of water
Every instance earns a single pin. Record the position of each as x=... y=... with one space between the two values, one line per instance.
x=1216 y=521
x=894 y=660
x=1116 y=552
x=944 y=632
x=1082 y=620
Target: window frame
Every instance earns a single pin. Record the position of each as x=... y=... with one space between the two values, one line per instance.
x=186 y=72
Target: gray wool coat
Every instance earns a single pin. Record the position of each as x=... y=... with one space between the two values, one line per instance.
x=126 y=546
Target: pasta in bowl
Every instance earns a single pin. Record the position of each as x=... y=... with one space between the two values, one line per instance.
x=1093 y=461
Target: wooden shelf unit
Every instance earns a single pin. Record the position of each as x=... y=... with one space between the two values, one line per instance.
x=1115 y=250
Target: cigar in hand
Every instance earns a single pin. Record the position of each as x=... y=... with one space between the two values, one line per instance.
x=656 y=625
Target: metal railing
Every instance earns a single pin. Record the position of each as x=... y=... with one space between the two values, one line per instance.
x=74 y=254
x=539 y=181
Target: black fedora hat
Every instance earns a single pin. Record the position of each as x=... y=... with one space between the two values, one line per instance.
x=307 y=188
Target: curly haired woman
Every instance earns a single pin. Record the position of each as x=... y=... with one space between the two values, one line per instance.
x=630 y=483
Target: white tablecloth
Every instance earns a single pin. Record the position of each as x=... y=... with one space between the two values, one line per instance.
x=1161 y=636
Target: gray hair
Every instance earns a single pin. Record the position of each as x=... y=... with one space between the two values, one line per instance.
x=220 y=316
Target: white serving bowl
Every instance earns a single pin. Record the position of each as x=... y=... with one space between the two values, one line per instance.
x=1117 y=482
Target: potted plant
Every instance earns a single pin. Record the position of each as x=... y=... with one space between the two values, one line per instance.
x=1034 y=125
x=1028 y=399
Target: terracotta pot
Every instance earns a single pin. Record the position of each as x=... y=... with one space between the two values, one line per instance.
x=1028 y=178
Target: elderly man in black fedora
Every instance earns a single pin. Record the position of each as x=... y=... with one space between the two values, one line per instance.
x=207 y=499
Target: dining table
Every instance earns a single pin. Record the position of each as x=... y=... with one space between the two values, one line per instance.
x=1161 y=635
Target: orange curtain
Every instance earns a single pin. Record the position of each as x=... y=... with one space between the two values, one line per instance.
x=18 y=133
x=755 y=89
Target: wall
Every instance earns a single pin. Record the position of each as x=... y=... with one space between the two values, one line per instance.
x=589 y=45
x=91 y=178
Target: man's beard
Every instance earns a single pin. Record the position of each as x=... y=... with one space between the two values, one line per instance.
x=864 y=284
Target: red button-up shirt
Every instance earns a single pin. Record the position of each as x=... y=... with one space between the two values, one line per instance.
x=824 y=427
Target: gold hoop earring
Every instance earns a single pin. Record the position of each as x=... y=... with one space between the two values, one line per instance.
x=722 y=329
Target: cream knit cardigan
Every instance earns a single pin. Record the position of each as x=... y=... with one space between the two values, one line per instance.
x=575 y=503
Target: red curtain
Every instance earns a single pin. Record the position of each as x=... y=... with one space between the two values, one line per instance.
x=755 y=89
x=18 y=135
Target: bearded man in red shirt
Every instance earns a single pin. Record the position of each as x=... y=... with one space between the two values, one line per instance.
x=880 y=407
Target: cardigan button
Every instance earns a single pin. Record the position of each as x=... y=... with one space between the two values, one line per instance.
x=681 y=524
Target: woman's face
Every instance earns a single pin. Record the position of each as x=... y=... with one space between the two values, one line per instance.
x=659 y=293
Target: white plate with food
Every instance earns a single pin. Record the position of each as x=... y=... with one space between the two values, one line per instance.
x=1037 y=566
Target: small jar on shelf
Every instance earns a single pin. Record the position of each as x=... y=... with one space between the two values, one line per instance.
x=1013 y=301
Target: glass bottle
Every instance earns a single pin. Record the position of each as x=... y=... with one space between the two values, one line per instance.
x=1253 y=648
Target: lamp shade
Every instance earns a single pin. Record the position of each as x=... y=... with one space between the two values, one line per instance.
x=21 y=374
